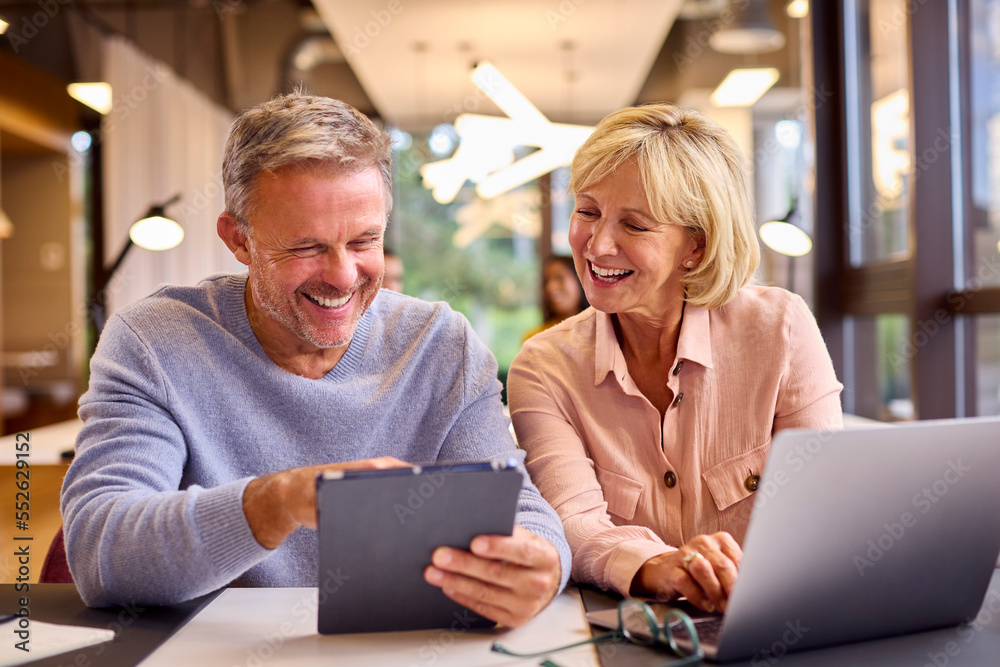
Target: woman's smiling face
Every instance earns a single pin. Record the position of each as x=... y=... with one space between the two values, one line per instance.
x=628 y=262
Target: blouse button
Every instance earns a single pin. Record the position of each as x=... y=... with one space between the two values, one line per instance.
x=751 y=482
x=670 y=479
x=678 y=367
x=677 y=401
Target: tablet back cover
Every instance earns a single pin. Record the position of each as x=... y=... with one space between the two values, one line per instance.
x=376 y=536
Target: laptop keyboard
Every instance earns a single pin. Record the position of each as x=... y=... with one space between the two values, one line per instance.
x=708 y=630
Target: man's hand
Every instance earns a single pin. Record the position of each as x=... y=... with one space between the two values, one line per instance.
x=505 y=579
x=704 y=571
x=277 y=504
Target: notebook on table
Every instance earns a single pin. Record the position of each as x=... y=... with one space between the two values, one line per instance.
x=861 y=534
x=378 y=529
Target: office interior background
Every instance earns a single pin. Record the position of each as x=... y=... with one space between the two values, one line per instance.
x=877 y=133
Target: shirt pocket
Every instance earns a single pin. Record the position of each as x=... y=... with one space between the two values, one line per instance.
x=728 y=481
x=621 y=493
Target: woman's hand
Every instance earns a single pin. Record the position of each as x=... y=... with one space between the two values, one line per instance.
x=704 y=571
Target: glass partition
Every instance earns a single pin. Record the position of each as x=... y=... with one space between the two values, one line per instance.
x=877 y=50
x=984 y=213
x=984 y=28
x=479 y=255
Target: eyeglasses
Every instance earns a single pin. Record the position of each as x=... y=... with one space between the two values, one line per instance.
x=637 y=623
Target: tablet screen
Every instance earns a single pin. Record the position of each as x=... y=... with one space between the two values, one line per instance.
x=378 y=528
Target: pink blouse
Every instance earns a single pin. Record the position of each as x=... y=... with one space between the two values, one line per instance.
x=629 y=486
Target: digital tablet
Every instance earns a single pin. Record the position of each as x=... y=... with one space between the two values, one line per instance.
x=378 y=528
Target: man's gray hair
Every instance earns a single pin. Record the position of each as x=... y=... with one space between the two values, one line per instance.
x=298 y=129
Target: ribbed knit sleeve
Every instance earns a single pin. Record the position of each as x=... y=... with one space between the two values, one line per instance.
x=131 y=534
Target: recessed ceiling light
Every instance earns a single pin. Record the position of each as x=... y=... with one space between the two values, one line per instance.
x=3 y=26
x=96 y=95
x=743 y=87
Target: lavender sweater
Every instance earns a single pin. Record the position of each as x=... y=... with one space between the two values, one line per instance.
x=184 y=409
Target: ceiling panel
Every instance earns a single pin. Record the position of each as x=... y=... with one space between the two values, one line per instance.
x=577 y=60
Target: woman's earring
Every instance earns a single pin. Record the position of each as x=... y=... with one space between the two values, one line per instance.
x=689 y=263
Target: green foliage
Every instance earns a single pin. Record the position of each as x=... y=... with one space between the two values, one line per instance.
x=892 y=336
x=493 y=281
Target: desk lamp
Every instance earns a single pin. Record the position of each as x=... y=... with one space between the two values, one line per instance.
x=786 y=237
x=153 y=231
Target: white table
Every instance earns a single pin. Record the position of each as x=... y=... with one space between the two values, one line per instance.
x=47 y=443
x=277 y=626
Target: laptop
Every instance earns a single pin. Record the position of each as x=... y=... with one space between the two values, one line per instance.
x=860 y=534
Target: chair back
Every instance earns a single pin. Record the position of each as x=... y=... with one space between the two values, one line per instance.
x=55 y=569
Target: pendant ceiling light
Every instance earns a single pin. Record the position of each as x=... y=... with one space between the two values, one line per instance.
x=749 y=31
x=486 y=151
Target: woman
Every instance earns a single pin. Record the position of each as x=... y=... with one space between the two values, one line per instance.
x=562 y=294
x=647 y=419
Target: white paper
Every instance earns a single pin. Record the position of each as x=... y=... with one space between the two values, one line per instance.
x=46 y=639
x=260 y=627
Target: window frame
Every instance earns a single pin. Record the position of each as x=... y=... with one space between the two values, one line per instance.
x=924 y=286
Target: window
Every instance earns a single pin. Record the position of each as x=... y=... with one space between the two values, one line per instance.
x=907 y=167
x=984 y=190
x=884 y=116
x=478 y=255
x=878 y=351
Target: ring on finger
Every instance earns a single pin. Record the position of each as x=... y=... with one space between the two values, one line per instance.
x=690 y=557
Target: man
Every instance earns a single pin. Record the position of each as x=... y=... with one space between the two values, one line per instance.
x=212 y=408
x=393 y=277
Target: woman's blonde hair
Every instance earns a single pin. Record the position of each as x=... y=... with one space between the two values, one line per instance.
x=694 y=176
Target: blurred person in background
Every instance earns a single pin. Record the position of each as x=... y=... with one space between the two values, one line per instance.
x=562 y=294
x=393 y=278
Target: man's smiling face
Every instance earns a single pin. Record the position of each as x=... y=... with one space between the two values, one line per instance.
x=315 y=251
